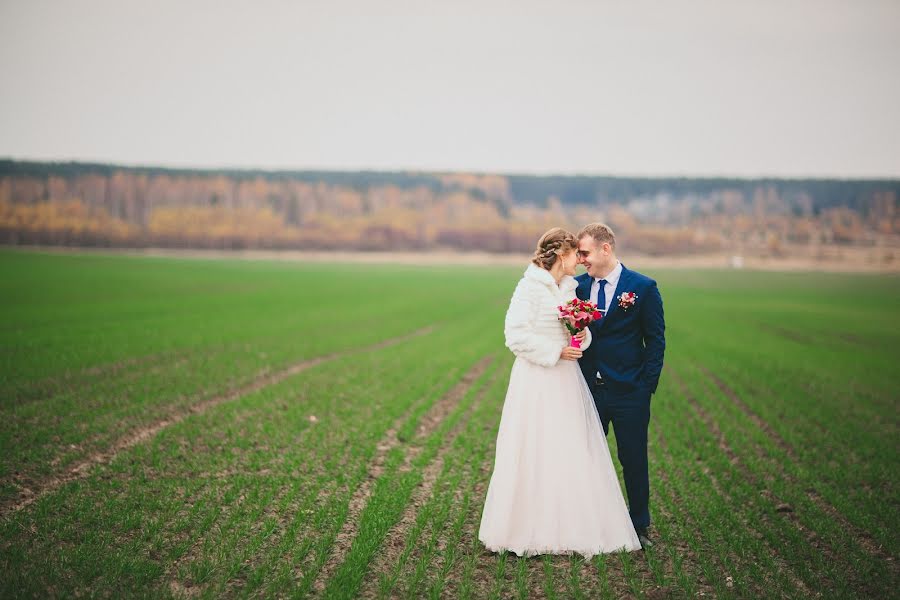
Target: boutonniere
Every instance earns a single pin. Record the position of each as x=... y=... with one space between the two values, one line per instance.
x=626 y=300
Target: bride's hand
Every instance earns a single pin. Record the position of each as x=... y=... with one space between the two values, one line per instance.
x=570 y=353
x=581 y=335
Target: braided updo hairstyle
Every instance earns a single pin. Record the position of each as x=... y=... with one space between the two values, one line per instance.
x=553 y=244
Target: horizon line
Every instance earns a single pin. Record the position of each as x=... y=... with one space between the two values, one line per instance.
x=436 y=171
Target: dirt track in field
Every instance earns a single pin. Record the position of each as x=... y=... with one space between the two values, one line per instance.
x=851 y=260
x=140 y=434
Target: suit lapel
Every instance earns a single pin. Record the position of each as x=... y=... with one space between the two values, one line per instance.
x=583 y=291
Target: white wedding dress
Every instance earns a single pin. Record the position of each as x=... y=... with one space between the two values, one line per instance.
x=554 y=489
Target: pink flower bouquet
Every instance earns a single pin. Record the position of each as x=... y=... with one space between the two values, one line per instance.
x=576 y=315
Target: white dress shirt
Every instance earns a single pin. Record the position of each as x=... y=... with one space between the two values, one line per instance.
x=612 y=280
x=609 y=290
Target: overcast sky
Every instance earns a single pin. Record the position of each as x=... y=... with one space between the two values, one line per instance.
x=781 y=87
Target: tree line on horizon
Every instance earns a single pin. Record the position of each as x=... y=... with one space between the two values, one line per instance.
x=86 y=204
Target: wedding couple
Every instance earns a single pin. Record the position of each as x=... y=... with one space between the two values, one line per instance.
x=554 y=489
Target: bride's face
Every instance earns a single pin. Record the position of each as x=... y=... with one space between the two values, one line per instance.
x=569 y=262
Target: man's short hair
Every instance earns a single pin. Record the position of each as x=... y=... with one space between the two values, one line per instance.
x=600 y=232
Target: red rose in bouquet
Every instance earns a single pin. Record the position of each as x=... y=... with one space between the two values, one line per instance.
x=576 y=315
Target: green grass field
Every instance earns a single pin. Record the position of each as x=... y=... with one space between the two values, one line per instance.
x=219 y=428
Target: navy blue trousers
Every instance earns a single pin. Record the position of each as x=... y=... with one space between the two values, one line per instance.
x=630 y=418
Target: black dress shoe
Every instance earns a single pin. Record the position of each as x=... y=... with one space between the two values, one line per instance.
x=644 y=538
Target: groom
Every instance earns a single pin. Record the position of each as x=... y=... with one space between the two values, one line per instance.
x=623 y=363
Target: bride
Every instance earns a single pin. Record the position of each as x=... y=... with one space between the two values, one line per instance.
x=554 y=489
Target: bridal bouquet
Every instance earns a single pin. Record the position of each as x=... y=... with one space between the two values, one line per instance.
x=576 y=315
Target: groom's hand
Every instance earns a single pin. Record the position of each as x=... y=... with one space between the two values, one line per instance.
x=570 y=353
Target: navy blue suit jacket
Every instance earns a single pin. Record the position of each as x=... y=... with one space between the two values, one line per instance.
x=628 y=345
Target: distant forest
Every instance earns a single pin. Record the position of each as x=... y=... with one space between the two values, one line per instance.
x=110 y=205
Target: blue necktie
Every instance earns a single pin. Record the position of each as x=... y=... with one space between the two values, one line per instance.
x=601 y=297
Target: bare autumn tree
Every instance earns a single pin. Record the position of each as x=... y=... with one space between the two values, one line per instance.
x=108 y=205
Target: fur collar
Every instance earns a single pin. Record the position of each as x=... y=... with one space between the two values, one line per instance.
x=543 y=276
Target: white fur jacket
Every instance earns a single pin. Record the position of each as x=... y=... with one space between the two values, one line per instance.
x=533 y=330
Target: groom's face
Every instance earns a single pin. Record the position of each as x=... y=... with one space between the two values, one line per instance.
x=594 y=257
